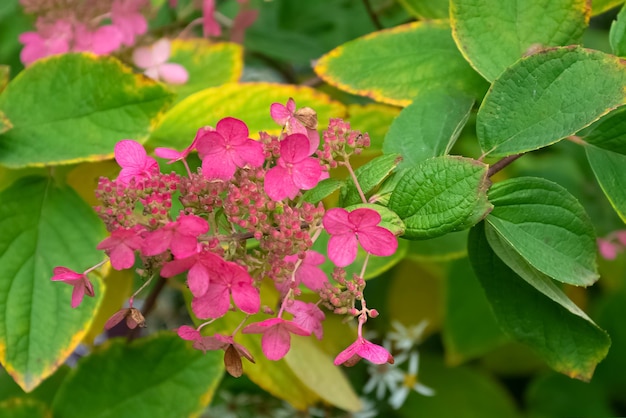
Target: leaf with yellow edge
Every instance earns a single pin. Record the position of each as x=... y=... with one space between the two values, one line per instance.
x=117 y=288
x=76 y=107
x=24 y=408
x=317 y=371
x=249 y=102
x=601 y=6
x=5 y=123
x=375 y=119
x=394 y=65
x=208 y=64
x=84 y=178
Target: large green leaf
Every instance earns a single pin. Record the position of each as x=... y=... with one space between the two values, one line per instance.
x=43 y=226
x=609 y=132
x=208 y=64
x=369 y=177
x=542 y=98
x=493 y=34
x=552 y=326
x=427 y=9
x=75 y=107
x=470 y=328
x=158 y=376
x=394 y=65
x=24 y=408
x=249 y=102
x=438 y=195
x=547 y=226
x=601 y=6
x=617 y=35
x=609 y=170
x=428 y=127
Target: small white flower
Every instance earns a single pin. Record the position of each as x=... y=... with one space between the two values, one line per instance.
x=410 y=382
x=384 y=377
x=368 y=411
x=406 y=338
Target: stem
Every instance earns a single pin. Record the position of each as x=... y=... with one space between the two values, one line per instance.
x=576 y=140
x=372 y=15
x=143 y=286
x=356 y=182
x=148 y=305
x=232 y=334
x=502 y=163
x=90 y=269
x=367 y=259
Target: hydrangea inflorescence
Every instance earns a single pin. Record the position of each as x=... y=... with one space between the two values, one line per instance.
x=245 y=191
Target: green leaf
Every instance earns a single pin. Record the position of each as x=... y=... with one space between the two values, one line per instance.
x=208 y=64
x=420 y=56
x=43 y=226
x=470 y=328
x=24 y=408
x=427 y=9
x=249 y=102
x=76 y=107
x=549 y=325
x=611 y=313
x=428 y=127
x=514 y=29
x=609 y=170
x=541 y=99
x=601 y=6
x=439 y=194
x=450 y=246
x=157 y=376
x=617 y=35
x=323 y=189
x=547 y=226
x=461 y=392
x=370 y=176
x=44 y=392
x=375 y=119
x=609 y=132
x=5 y=72
x=5 y=123
x=317 y=371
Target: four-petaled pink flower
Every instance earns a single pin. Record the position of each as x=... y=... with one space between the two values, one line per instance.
x=82 y=285
x=308 y=271
x=230 y=279
x=362 y=348
x=200 y=266
x=129 y=21
x=295 y=169
x=308 y=316
x=134 y=160
x=288 y=117
x=153 y=60
x=346 y=228
x=50 y=39
x=276 y=339
x=181 y=237
x=121 y=246
x=226 y=148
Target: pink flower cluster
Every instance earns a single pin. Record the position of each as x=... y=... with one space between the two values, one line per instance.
x=244 y=190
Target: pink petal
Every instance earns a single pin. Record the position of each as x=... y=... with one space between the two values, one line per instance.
x=105 y=40
x=263 y=326
x=77 y=294
x=279 y=113
x=378 y=241
x=129 y=153
x=122 y=257
x=198 y=279
x=173 y=73
x=278 y=184
x=245 y=295
x=291 y=105
x=314 y=140
x=210 y=27
x=311 y=276
x=621 y=237
x=251 y=152
x=364 y=217
x=116 y=318
x=342 y=249
x=214 y=303
x=142 y=57
x=276 y=342
x=188 y=333
x=233 y=130
x=64 y=274
x=174 y=267
x=214 y=167
x=607 y=249
x=294 y=148
x=192 y=225
x=336 y=221
x=347 y=354
x=374 y=352
x=160 y=51
x=157 y=241
x=306 y=174
x=171 y=154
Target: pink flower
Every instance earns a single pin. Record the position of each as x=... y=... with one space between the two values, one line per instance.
x=82 y=285
x=226 y=148
x=231 y=279
x=201 y=267
x=175 y=155
x=276 y=339
x=210 y=27
x=50 y=39
x=153 y=60
x=608 y=250
x=134 y=160
x=346 y=228
x=121 y=246
x=307 y=316
x=101 y=41
x=362 y=348
x=129 y=21
x=292 y=121
x=181 y=237
x=308 y=271
x=189 y=333
x=295 y=170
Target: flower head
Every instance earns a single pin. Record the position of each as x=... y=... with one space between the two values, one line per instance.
x=134 y=160
x=153 y=60
x=129 y=21
x=101 y=40
x=200 y=266
x=226 y=148
x=121 y=246
x=50 y=39
x=82 y=285
x=346 y=228
x=302 y=121
x=308 y=271
x=181 y=237
x=276 y=339
x=295 y=169
x=362 y=348
x=308 y=316
x=410 y=382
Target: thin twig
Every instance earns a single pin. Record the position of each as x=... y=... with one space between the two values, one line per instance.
x=148 y=306
x=372 y=15
x=502 y=163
